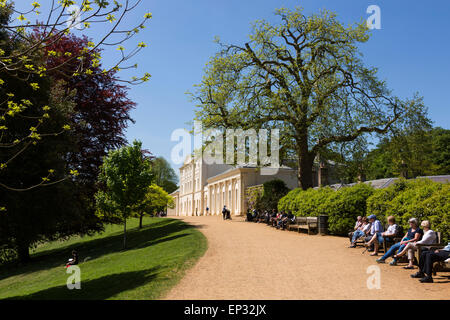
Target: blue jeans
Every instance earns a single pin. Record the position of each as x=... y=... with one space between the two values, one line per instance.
x=357 y=234
x=396 y=247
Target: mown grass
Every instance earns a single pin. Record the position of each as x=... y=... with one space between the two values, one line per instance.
x=154 y=261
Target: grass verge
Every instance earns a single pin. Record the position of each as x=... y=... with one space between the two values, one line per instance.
x=155 y=260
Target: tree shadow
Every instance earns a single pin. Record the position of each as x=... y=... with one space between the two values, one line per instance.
x=96 y=289
x=152 y=234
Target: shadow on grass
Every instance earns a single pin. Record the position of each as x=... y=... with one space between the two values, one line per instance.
x=151 y=234
x=96 y=289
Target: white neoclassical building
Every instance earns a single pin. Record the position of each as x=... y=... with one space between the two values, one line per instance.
x=206 y=188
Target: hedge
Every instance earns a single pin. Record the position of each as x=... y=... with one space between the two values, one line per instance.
x=419 y=198
x=342 y=206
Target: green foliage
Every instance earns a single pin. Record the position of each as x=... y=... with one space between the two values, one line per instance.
x=266 y=196
x=288 y=203
x=126 y=175
x=422 y=199
x=345 y=205
x=254 y=195
x=165 y=176
x=411 y=153
x=342 y=206
x=156 y=199
x=273 y=191
x=290 y=75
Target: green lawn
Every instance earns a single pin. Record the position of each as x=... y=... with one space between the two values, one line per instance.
x=156 y=259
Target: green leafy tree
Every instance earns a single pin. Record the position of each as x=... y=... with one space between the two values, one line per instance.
x=165 y=176
x=305 y=77
x=56 y=210
x=125 y=174
x=156 y=199
x=24 y=55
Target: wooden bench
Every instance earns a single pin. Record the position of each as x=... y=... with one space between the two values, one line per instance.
x=442 y=266
x=436 y=245
x=304 y=223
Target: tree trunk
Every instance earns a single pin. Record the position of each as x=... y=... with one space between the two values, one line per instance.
x=125 y=234
x=140 y=220
x=23 y=251
x=305 y=163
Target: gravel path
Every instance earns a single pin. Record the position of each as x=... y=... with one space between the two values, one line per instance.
x=254 y=261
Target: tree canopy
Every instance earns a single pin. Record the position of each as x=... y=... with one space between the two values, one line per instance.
x=126 y=175
x=304 y=76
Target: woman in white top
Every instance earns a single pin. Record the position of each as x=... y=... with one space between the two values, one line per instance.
x=429 y=237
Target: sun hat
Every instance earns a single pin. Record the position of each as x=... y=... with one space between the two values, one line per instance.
x=372 y=216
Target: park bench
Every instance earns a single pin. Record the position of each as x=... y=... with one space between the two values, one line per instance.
x=386 y=244
x=304 y=223
x=436 y=245
x=442 y=266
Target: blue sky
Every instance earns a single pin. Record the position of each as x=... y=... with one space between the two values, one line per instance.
x=411 y=51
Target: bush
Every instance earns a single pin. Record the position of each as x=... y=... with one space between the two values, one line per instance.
x=310 y=203
x=7 y=254
x=273 y=191
x=287 y=203
x=422 y=199
x=345 y=205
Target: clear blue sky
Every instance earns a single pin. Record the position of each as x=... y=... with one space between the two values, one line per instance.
x=411 y=52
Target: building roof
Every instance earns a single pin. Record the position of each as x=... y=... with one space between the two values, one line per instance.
x=384 y=183
x=244 y=167
x=441 y=179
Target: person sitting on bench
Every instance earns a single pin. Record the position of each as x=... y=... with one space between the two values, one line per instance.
x=388 y=235
x=358 y=225
x=282 y=221
x=249 y=216
x=375 y=231
x=414 y=234
x=429 y=237
x=363 y=230
x=267 y=216
x=427 y=258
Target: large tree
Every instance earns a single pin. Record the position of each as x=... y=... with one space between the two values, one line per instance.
x=303 y=76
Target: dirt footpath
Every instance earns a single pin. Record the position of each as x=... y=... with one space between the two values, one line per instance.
x=254 y=261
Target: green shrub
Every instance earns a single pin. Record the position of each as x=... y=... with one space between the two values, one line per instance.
x=437 y=209
x=422 y=199
x=7 y=254
x=287 y=203
x=310 y=203
x=345 y=205
x=273 y=191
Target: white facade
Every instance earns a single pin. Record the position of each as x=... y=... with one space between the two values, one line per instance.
x=213 y=186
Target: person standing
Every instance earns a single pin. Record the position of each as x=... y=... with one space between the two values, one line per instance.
x=224 y=212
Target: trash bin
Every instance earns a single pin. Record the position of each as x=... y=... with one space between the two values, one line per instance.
x=323 y=225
